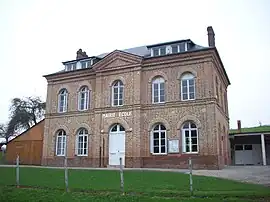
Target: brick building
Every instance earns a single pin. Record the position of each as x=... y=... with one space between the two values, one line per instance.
x=154 y=106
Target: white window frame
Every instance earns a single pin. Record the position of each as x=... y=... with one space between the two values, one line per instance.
x=187 y=77
x=158 y=81
x=63 y=143
x=73 y=66
x=63 y=93
x=118 y=85
x=82 y=133
x=159 y=131
x=83 y=91
x=189 y=129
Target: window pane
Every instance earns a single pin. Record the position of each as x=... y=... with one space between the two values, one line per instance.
x=187 y=140
x=182 y=47
x=156 y=127
x=191 y=89
x=187 y=148
x=248 y=147
x=191 y=82
x=193 y=133
x=121 y=102
x=122 y=128
x=155 y=99
x=121 y=89
x=185 y=96
x=194 y=141
x=162 y=51
x=194 y=148
x=238 y=147
x=156 y=52
x=156 y=135
x=114 y=129
x=156 y=149
x=162 y=98
x=184 y=89
x=156 y=142
x=162 y=142
x=193 y=125
x=162 y=127
x=162 y=85
x=162 y=134
x=163 y=150
x=115 y=102
x=191 y=96
x=186 y=125
x=174 y=49
x=184 y=83
x=186 y=133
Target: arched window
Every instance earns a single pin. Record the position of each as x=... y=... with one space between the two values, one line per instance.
x=61 y=139
x=190 y=138
x=188 y=87
x=82 y=142
x=117 y=128
x=158 y=90
x=62 y=100
x=158 y=140
x=83 y=98
x=117 y=93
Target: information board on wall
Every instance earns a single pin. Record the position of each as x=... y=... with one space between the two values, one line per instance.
x=173 y=146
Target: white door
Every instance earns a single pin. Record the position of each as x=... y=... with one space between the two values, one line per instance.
x=117 y=145
x=243 y=155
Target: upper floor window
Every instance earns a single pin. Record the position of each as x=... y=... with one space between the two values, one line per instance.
x=158 y=139
x=86 y=64
x=62 y=100
x=83 y=98
x=190 y=138
x=70 y=67
x=159 y=51
x=82 y=142
x=117 y=93
x=158 y=90
x=61 y=143
x=188 y=87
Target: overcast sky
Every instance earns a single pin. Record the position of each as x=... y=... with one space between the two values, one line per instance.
x=37 y=35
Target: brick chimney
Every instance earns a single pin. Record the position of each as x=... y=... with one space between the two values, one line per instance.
x=239 y=125
x=81 y=54
x=211 y=36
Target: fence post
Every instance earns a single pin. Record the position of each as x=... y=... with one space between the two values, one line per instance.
x=66 y=173
x=121 y=176
x=190 y=176
x=17 y=171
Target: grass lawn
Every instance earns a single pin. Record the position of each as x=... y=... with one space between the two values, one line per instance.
x=101 y=185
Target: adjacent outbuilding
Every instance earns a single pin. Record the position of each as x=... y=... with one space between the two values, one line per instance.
x=27 y=145
x=250 y=146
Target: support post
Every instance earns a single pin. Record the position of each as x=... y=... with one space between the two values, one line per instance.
x=263 y=150
x=17 y=172
x=190 y=176
x=121 y=176
x=66 y=173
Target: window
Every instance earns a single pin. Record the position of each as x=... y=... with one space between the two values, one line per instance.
x=158 y=140
x=217 y=93
x=163 y=51
x=248 y=147
x=182 y=47
x=158 y=90
x=117 y=93
x=189 y=138
x=187 y=87
x=62 y=101
x=61 y=143
x=156 y=52
x=82 y=142
x=117 y=128
x=238 y=147
x=83 y=97
x=86 y=64
x=174 y=48
x=70 y=67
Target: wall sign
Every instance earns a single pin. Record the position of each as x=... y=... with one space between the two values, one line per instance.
x=173 y=146
x=117 y=114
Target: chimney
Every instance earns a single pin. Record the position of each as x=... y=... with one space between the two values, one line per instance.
x=211 y=36
x=239 y=125
x=81 y=54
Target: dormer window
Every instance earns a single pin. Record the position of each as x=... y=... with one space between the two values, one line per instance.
x=175 y=49
x=70 y=67
x=86 y=64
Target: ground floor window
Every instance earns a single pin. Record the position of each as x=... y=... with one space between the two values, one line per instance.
x=61 y=143
x=82 y=142
x=158 y=139
x=190 y=138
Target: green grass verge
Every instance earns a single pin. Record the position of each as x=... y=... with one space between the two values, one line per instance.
x=139 y=185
